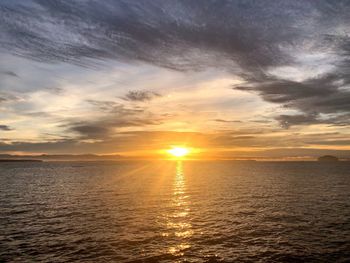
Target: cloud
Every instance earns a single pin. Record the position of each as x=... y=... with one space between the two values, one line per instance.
x=9 y=73
x=331 y=142
x=141 y=95
x=92 y=130
x=5 y=128
x=114 y=107
x=64 y=146
x=178 y=35
x=55 y=90
x=312 y=97
x=7 y=97
x=246 y=38
x=227 y=121
x=286 y=91
x=289 y=120
x=115 y=116
x=103 y=129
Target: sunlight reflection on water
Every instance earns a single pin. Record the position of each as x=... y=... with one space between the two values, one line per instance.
x=178 y=221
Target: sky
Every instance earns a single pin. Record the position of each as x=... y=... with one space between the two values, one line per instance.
x=230 y=79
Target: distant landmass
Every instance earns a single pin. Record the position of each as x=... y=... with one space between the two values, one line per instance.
x=19 y=160
x=58 y=157
x=328 y=158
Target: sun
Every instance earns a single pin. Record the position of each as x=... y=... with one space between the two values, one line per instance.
x=178 y=152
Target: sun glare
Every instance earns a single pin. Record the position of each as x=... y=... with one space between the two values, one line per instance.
x=178 y=152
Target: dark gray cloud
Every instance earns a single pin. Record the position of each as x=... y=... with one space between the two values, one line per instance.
x=286 y=91
x=166 y=33
x=5 y=128
x=289 y=120
x=177 y=34
x=141 y=95
x=93 y=130
x=9 y=73
x=7 y=97
x=315 y=96
x=103 y=129
x=227 y=121
x=115 y=116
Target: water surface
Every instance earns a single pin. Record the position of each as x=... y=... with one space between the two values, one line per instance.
x=175 y=212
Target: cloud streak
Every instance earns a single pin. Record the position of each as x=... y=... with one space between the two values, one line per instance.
x=5 y=128
x=115 y=116
x=141 y=95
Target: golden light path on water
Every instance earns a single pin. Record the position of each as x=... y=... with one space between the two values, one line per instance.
x=178 y=220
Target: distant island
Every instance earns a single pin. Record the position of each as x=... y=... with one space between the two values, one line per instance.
x=58 y=157
x=19 y=160
x=328 y=158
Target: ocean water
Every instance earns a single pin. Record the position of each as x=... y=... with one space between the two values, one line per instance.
x=180 y=211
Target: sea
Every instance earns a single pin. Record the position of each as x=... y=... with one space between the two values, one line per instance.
x=175 y=211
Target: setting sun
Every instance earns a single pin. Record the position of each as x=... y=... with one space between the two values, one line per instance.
x=178 y=151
